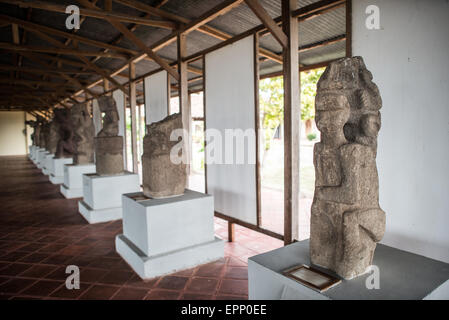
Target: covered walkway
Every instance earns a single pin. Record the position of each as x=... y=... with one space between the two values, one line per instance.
x=41 y=233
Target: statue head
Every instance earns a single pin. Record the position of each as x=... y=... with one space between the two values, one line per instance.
x=332 y=113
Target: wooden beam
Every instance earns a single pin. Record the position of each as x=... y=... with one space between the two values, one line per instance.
x=268 y=21
x=14 y=47
x=132 y=104
x=94 y=13
x=256 y=50
x=231 y=231
x=211 y=14
x=135 y=40
x=184 y=105
x=33 y=26
x=44 y=71
x=291 y=122
x=348 y=28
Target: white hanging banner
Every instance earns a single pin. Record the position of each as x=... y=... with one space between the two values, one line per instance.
x=119 y=98
x=156 y=97
x=230 y=119
x=96 y=115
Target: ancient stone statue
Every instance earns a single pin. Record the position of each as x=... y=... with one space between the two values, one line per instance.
x=53 y=137
x=346 y=220
x=108 y=145
x=66 y=146
x=84 y=133
x=33 y=124
x=43 y=134
x=37 y=131
x=162 y=177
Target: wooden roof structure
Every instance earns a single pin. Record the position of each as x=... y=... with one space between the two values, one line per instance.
x=44 y=65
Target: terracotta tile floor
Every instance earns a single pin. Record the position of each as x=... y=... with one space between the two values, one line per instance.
x=41 y=233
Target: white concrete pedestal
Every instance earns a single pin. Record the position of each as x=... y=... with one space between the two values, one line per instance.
x=162 y=236
x=57 y=169
x=402 y=276
x=73 y=179
x=30 y=151
x=103 y=196
x=41 y=155
x=48 y=163
x=34 y=154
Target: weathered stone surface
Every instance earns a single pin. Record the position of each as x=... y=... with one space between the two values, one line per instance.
x=84 y=133
x=109 y=146
x=162 y=177
x=346 y=220
x=43 y=134
x=66 y=145
x=53 y=137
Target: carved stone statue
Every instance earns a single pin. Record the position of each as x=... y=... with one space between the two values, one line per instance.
x=346 y=220
x=66 y=146
x=108 y=145
x=33 y=124
x=84 y=133
x=162 y=177
x=53 y=137
x=37 y=131
x=43 y=134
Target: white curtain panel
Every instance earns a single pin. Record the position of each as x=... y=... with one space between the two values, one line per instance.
x=156 y=97
x=230 y=105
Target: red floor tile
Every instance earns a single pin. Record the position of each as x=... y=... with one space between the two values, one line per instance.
x=38 y=271
x=99 y=292
x=15 y=285
x=158 y=294
x=202 y=285
x=42 y=288
x=126 y=293
x=234 y=287
x=172 y=283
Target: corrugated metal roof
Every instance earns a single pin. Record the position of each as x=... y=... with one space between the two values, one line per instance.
x=234 y=22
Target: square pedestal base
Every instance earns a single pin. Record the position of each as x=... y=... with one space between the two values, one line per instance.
x=57 y=169
x=402 y=276
x=99 y=215
x=41 y=155
x=48 y=163
x=170 y=262
x=73 y=179
x=103 y=195
x=162 y=236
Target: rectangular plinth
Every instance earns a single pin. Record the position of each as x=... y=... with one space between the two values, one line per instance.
x=99 y=215
x=102 y=192
x=103 y=196
x=73 y=179
x=41 y=158
x=169 y=262
x=402 y=275
x=48 y=164
x=157 y=226
x=57 y=169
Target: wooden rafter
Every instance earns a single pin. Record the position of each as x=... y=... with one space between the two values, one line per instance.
x=135 y=40
x=268 y=21
x=104 y=15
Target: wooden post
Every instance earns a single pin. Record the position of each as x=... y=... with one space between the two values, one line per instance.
x=231 y=231
x=105 y=85
x=184 y=106
x=256 y=126
x=132 y=104
x=348 y=28
x=291 y=122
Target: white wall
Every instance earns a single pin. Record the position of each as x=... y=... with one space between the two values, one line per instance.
x=156 y=97
x=12 y=137
x=409 y=59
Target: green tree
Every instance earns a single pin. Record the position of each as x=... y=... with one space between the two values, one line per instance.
x=272 y=105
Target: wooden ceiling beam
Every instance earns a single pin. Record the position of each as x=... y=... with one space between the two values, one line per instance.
x=30 y=26
x=135 y=40
x=44 y=70
x=14 y=47
x=94 y=13
x=268 y=21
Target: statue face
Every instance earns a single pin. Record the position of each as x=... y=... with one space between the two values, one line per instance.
x=370 y=125
x=334 y=116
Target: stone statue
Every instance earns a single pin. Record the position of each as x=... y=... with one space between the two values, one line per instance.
x=33 y=124
x=108 y=145
x=84 y=133
x=346 y=220
x=37 y=131
x=53 y=137
x=162 y=177
x=66 y=146
x=43 y=134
